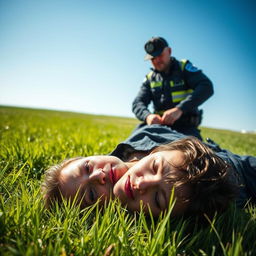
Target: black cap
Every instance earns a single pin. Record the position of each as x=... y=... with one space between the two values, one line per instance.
x=154 y=47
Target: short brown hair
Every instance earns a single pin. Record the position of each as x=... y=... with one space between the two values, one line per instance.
x=207 y=175
x=51 y=184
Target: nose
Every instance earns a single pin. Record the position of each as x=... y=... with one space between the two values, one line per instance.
x=142 y=184
x=98 y=176
x=156 y=59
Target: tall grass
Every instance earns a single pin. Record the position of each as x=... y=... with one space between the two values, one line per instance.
x=31 y=140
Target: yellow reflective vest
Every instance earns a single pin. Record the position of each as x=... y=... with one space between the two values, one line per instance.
x=185 y=86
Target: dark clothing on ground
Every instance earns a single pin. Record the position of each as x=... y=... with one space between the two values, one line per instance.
x=186 y=130
x=150 y=136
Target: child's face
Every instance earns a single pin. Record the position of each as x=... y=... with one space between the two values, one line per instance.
x=146 y=182
x=94 y=178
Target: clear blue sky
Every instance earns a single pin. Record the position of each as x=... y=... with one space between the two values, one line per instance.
x=87 y=56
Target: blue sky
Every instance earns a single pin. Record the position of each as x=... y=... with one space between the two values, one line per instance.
x=87 y=56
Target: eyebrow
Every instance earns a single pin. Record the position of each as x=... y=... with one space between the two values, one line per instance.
x=80 y=166
x=163 y=165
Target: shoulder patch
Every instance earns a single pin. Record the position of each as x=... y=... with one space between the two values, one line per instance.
x=189 y=67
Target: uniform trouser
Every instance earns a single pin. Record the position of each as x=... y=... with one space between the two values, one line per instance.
x=187 y=130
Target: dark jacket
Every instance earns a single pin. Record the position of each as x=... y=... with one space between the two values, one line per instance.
x=185 y=87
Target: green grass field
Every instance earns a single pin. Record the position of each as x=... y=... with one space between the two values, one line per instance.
x=31 y=140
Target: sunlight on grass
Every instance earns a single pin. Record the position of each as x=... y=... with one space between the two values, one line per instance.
x=31 y=140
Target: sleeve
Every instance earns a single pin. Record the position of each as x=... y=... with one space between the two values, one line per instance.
x=142 y=100
x=201 y=85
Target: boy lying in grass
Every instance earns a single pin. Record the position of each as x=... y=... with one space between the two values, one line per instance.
x=144 y=169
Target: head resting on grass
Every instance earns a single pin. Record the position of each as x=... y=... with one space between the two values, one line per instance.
x=85 y=178
x=199 y=178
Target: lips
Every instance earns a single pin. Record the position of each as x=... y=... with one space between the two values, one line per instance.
x=128 y=189
x=112 y=176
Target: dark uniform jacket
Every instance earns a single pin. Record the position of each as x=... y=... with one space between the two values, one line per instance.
x=185 y=87
x=148 y=137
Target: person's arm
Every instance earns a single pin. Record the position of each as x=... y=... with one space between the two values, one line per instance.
x=201 y=85
x=141 y=102
x=171 y=115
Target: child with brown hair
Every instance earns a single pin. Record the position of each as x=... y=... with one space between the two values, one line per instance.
x=205 y=178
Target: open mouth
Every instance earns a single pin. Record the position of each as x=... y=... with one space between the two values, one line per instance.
x=128 y=189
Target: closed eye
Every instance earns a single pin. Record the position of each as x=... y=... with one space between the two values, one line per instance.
x=154 y=166
x=157 y=165
x=87 y=168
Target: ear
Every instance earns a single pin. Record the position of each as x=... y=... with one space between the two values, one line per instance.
x=170 y=51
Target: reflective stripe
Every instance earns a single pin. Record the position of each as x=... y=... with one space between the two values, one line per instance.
x=155 y=84
x=149 y=75
x=183 y=63
x=181 y=83
x=180 y=95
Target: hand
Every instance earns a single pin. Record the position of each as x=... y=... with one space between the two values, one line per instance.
x=153 y=119
x=170 y=116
